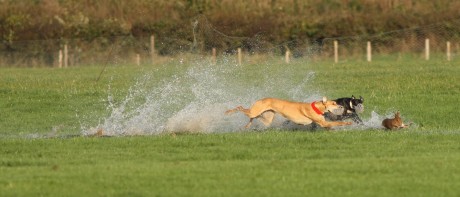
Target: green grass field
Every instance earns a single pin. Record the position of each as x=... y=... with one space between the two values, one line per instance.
x=43 y=151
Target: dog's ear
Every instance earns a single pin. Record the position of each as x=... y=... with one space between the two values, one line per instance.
x=324 y=99
x=352 y=96
x=361 y=98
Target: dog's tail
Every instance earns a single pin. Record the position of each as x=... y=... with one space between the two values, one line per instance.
x=231 y=111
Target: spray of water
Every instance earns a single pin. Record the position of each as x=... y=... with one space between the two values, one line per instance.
x=195 y=101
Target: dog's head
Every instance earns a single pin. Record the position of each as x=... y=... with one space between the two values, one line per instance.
x=356 y=101
x=332 y=106
x=357 y=104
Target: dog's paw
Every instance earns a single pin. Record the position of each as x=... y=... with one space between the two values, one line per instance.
x=348 y=123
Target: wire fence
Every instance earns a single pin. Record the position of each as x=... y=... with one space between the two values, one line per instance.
x=436 y=41
x=429 y=42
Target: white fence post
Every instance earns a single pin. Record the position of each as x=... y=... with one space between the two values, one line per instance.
x=66 y=56
x=287 y=57
x=369 y=51
x=60 y=59
x=214 y=56
x=449 y=57
x=427 y=49
x=336 y=51
x=138 y=59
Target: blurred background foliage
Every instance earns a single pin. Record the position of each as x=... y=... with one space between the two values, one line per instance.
x=199 y=25
x=275 y=20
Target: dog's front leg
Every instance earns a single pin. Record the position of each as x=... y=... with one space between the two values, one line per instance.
x=332 y=116
x=326 y=124
x=356 y=119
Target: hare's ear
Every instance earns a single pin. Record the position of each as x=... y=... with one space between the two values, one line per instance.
x=324 y=99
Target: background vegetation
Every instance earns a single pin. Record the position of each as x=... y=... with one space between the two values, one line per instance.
x=273 y=21
x=276 y=19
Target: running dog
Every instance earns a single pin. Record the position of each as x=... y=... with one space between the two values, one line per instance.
x=352 y=106
x=394 y=123
x=297 y=112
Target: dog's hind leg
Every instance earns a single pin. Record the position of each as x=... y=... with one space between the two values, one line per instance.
x=267 y=117
x=256 y=111
x=249 y=123
x=245 y=111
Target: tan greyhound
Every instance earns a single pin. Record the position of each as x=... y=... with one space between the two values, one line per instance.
x=297 y=112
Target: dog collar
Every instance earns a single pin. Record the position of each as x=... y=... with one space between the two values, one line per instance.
x=316 y=109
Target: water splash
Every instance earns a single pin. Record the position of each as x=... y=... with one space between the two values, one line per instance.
x=195 y=100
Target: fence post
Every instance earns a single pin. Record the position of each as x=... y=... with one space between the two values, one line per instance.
x=288 y=54
x=66 y=56
x=152 y=48
x=138 y=59
x=369 y=51
x=336 y=51
x=448 y=51
x=214 y=54
x=60 y=58
x=427 y=49
x=240 y=57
